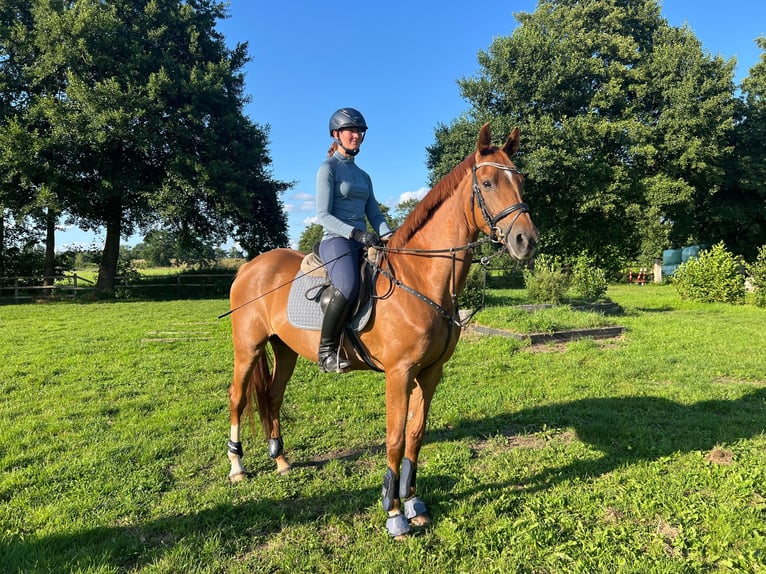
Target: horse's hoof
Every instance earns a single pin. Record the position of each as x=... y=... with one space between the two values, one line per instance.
x=400 y=537
x=237 y=477
x=420 y=520
x=416 y=512
x=283 y=465
x=397 y=526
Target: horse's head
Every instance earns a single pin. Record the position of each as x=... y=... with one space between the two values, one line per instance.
x=496 y=196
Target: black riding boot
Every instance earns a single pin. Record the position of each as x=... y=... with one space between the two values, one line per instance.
x=332 y=324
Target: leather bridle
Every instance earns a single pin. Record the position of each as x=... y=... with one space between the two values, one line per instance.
x=495 y=233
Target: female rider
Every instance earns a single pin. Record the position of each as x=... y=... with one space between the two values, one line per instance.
x=345 y=201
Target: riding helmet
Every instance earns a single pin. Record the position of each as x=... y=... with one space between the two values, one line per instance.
x=347 y=118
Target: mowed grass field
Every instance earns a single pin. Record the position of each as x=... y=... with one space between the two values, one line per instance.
x=644 y=453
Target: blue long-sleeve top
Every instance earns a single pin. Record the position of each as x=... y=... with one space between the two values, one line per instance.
x=344 y=198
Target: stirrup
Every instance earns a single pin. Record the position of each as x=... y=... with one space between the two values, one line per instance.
x=332 y=363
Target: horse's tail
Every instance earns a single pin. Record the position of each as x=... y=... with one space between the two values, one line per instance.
x=257 y=394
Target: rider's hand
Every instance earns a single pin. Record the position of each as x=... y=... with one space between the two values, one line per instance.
x=366 y=238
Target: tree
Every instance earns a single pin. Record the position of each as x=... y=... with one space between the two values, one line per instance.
x=312 y=234
x=309 y=237
x=402 y=210
x=147 y=128
x=738 y=210
x=26 y=187
x=616 y=110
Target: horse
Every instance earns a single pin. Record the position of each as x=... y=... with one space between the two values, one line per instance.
x=415 y=326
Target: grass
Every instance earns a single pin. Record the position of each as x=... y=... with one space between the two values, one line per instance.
x=640 y=454
x=546 y=320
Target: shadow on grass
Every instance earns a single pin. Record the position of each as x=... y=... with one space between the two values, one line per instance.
x=626 y=430
x=131 y=548
x=647 y=310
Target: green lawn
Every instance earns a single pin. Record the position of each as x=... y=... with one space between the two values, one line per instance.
x=638 y=454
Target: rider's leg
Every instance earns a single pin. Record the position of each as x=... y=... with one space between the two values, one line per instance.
x=335 y=315
x=342 y=257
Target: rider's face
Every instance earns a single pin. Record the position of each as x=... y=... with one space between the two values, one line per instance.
x=351 y=138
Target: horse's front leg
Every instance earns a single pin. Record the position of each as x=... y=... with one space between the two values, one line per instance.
x=398 y=385
x=407 y=402
x=421 y=394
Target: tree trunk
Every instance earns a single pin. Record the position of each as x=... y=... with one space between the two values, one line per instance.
x=50 y=248
x=2 y=241
x=107 y=270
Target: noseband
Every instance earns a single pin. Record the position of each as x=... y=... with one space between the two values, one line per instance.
x=496 y=234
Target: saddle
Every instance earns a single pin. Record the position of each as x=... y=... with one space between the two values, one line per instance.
x=309 y=294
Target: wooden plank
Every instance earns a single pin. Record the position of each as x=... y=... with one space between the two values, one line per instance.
x=556 y=336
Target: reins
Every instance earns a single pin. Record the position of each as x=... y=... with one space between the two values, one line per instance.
x=496 y=236
x=278 y=287
x=453 y=251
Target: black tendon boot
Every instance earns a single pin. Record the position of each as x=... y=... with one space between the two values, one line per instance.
x=332 y=324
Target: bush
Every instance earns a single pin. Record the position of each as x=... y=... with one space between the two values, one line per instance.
x=757 y=272
x=713 y=277
x=588 y=280
x=473 y=291
x=547 y=282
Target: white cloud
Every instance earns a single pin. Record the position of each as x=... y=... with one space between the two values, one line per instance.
x=408 y=195
x=310 y=220
x=301 y=202
x=303 y=196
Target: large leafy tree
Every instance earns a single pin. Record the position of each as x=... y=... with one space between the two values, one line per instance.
x=625 y=124
x=146 y=128
x=25 y=184
x=737 y=213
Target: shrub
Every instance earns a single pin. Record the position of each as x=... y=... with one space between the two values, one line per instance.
x=757 y=272
x=713 y=277
x=473 y=291
x=547 y=282
x=588 y=280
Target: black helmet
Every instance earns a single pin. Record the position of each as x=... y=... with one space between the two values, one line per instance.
x=347 y=118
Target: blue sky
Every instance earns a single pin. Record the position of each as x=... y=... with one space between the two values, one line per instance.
x=398 y=63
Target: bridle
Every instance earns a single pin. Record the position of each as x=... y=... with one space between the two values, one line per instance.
x=495 y=233
x=496 y=236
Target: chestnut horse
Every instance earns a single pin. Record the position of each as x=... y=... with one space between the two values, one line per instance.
x=415 y=326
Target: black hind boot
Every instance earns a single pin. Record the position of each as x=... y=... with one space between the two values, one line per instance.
x=335 y=314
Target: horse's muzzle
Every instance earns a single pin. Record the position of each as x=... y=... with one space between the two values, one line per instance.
x=521 y=241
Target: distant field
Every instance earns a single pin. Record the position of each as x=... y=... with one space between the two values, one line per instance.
x=643 y=453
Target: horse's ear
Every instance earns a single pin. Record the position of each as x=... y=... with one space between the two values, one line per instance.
x=485 y=139
x=512 y=143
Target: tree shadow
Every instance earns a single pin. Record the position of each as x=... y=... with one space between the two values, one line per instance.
x=625 y=430
x=609 y=425
x=134 y=547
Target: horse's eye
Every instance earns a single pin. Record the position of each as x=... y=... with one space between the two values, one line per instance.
x=487 y=184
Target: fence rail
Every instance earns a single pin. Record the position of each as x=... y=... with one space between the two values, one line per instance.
x=19 y=288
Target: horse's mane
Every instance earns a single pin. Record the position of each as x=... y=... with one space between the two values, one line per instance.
x=443 y=189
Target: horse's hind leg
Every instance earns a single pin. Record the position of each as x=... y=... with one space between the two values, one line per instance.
x=245 y=361
x=284 y=365
x=253 y=385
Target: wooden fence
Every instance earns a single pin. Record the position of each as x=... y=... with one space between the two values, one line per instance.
x=71 y=285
